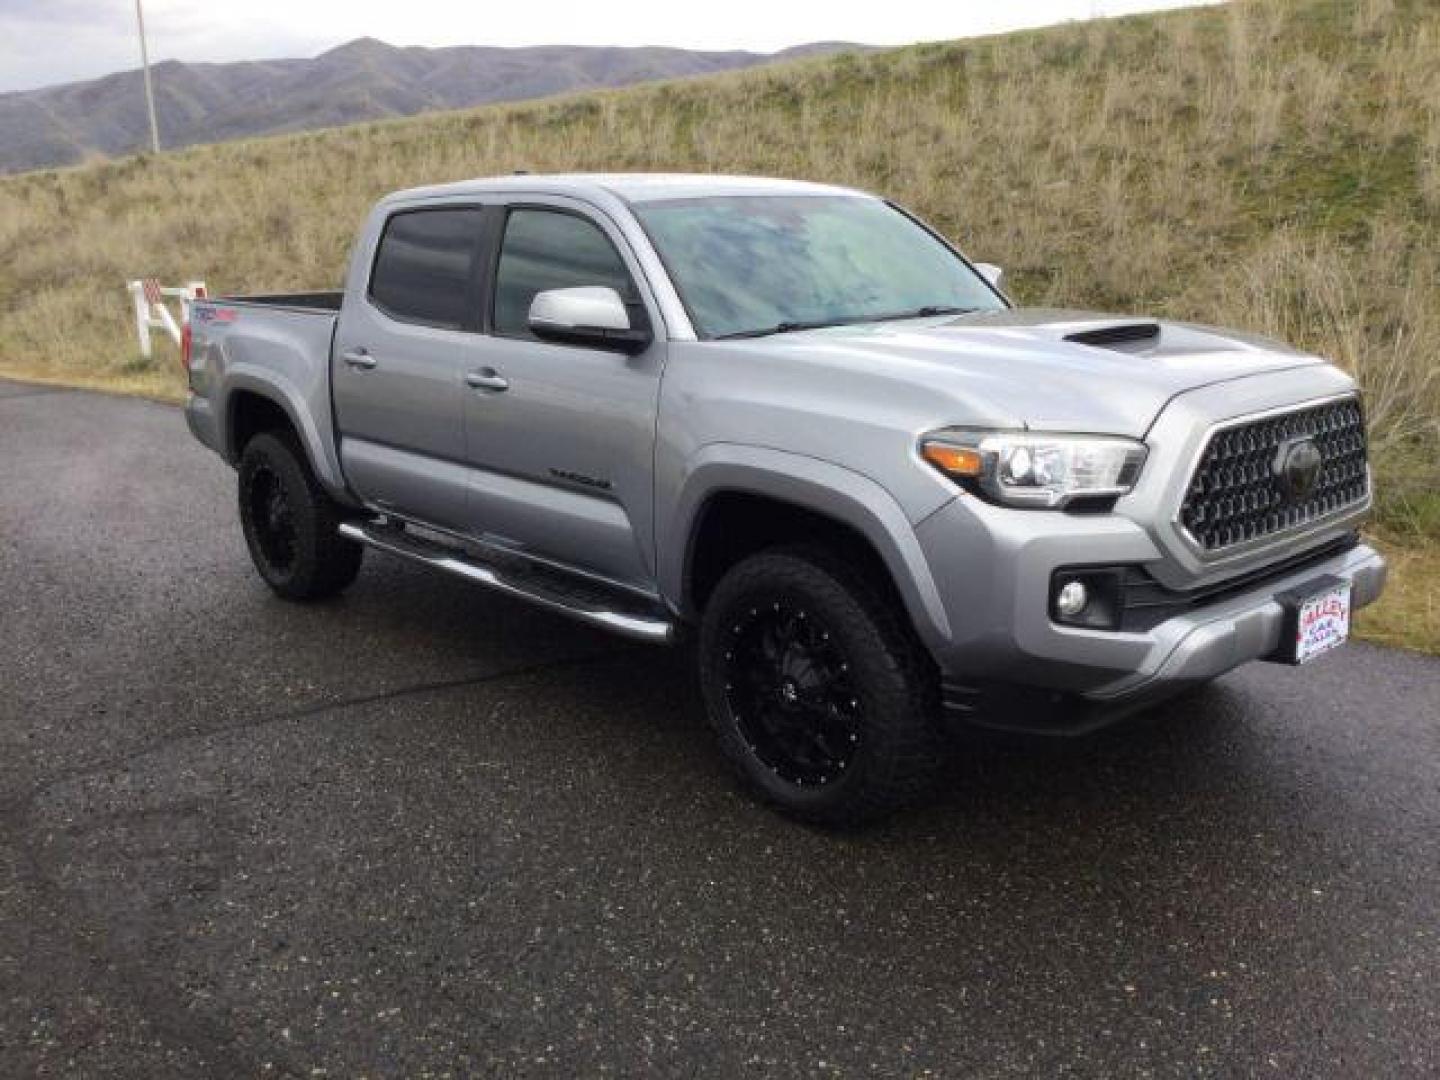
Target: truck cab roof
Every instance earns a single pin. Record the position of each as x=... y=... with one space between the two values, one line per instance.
x=628 y=187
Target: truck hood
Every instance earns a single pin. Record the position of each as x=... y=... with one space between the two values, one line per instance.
x=1048 y=369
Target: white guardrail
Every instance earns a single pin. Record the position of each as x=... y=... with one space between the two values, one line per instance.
x=148 y=296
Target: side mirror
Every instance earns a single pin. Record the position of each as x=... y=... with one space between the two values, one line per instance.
x=591 y=315
x=993 y=274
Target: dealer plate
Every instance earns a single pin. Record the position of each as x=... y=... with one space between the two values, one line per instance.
x=1317 y=619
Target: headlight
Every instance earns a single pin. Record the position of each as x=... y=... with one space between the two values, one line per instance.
x=1022 y=468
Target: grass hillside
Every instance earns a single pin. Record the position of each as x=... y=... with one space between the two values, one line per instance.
x=1273 y=164
x=364 y=79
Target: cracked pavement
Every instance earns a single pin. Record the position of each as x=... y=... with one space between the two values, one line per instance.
x=424 y=830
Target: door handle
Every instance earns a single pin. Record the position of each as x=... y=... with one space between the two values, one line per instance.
x=359 y=358
x=486 y=378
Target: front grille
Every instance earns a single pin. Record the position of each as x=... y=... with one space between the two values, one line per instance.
x=1242 y=490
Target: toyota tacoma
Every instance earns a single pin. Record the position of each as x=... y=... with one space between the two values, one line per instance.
x=796 y=426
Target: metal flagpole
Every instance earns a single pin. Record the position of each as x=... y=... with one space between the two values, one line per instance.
x=149 y=90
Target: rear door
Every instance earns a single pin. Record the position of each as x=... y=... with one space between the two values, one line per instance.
x=401 y=348
x=561 y=437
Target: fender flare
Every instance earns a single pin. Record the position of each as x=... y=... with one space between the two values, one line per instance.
x=811 y=484
x=318 y=444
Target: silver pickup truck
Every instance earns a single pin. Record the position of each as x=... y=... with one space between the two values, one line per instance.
x=794 y=420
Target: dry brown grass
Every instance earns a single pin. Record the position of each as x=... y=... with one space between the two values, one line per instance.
x=1409 y=614
x=1274 y=165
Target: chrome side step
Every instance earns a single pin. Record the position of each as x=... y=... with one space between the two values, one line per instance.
x=586 y=604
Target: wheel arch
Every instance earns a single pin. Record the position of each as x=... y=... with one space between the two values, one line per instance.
x=247 y=414
x=731 y=486
x=253 y=402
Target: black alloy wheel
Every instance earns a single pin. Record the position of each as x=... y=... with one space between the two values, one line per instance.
x=816 y=687
x=291 y=524
x=273 y=519
x=789 y=688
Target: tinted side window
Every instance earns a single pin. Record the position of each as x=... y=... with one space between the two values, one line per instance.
x=547 y=249
x=425 y=270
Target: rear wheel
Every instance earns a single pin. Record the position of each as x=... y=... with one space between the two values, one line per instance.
x=820 y=695
x=291 y=525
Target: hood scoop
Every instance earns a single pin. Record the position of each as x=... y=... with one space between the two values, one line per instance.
x=1118 y=336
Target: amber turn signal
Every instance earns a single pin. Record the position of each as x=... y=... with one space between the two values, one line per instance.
x=955 y=460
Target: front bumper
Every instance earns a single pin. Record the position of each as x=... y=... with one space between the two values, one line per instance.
x=1198 y=646
x=992 y=569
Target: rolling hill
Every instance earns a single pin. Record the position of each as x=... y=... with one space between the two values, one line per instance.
x=1269 y=164
x=362 y=80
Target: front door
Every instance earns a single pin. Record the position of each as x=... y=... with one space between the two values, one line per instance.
x=561 y=437
x=399 y=356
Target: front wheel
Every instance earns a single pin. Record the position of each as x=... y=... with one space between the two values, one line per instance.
x=818 y=692
x=291 y=525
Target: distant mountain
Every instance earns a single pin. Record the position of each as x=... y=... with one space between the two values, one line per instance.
x=362 y=80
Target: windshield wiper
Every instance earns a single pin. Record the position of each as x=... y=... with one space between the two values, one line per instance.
x=926 y=312
x=788 y=327
x=791 y=326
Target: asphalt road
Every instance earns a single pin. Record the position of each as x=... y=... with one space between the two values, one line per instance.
x=423 y=830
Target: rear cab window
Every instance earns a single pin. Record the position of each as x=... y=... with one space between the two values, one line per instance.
x=428 y=267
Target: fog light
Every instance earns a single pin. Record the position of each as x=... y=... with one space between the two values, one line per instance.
x=1090 y=597
x=1071 y=599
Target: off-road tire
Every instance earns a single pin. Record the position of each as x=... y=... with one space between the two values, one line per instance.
x=899 y=750
x=315 y=561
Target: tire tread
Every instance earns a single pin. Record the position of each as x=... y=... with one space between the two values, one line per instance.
x=906 y=725
x=328 y=562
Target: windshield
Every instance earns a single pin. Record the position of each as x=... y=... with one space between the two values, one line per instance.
x=759 y=264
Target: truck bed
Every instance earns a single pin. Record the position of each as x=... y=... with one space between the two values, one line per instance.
x=279 y=341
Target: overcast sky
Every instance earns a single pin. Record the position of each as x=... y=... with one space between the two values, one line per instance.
x=54 y=41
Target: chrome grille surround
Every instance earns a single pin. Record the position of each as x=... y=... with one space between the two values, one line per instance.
x=1236 y=499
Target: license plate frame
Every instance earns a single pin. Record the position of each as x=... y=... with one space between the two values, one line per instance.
x=1317 y=619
